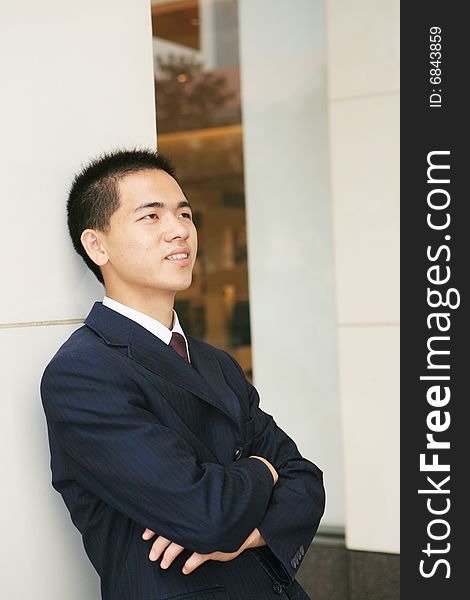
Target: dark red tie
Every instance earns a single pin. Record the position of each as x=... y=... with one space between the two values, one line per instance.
x=179 y=345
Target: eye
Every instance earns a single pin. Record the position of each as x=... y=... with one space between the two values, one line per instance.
x=151 y=217
x=186 y=215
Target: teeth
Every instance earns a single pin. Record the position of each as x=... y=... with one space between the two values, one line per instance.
x=177 y=256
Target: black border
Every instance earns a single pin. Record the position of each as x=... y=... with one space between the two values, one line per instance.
x=425 y=129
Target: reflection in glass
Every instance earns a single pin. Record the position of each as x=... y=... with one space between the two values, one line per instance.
x=197 y=85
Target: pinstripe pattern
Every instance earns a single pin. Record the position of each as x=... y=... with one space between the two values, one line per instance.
x=140 y=438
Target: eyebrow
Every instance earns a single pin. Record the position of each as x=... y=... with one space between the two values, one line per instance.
x=181 y=204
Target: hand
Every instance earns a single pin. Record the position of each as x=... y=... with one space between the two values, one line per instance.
x=161 y=545
x=171 y=551
x=254 y=540
x=274 y=473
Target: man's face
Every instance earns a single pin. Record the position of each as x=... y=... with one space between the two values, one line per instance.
x=152 y=241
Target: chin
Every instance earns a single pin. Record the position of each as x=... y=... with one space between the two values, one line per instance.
x=182 y=285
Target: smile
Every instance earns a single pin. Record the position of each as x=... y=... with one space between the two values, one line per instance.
x=181 y=256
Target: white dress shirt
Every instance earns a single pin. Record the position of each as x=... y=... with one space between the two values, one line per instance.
x=149 y=323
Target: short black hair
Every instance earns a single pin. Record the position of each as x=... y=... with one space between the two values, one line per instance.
x=94 y=195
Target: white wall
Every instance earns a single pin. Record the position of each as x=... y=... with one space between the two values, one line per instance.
x=76 y=80
x=363 y=90
x=290 y=245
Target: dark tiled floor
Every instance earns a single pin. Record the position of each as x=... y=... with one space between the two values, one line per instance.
x=323 y=573
x=374 y=576
x=330 y=572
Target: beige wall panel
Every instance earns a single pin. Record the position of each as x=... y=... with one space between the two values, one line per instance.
x=37 y=533
x=363 y=47
x=369 y=367
x=77 y=79
x=364 y=150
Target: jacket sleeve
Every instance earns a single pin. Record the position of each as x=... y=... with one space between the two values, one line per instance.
x=298 y=499
x=119 y=451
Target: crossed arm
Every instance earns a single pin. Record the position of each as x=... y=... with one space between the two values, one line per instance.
x=119 y=450
x=168 y=550
x=294 y=509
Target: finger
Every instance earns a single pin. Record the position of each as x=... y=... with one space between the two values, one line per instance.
x=158 y=547
x=195 y=561
x=148 y=533
x=170 y=554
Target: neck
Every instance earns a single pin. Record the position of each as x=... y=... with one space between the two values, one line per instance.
x=158 y=306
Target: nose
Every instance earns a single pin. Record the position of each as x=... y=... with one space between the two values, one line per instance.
x=174 y=227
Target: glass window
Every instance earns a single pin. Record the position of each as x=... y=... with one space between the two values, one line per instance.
x=199 y=125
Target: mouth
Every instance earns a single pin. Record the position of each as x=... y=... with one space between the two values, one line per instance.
x=179 y=258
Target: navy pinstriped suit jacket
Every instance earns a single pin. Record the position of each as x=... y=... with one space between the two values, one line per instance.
x=139 y=438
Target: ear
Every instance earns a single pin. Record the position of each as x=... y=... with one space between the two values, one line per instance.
x=94 y=246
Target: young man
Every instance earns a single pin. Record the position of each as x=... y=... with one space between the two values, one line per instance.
x=181 y=486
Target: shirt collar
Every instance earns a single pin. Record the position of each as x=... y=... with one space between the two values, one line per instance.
x=149 y=323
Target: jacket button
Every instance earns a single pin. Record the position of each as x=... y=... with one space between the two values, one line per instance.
x=237 y=453
x=277 y=587
x=293 y=563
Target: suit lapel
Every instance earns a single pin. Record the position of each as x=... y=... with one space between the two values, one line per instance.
x=205 y=362
x=153 y=354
